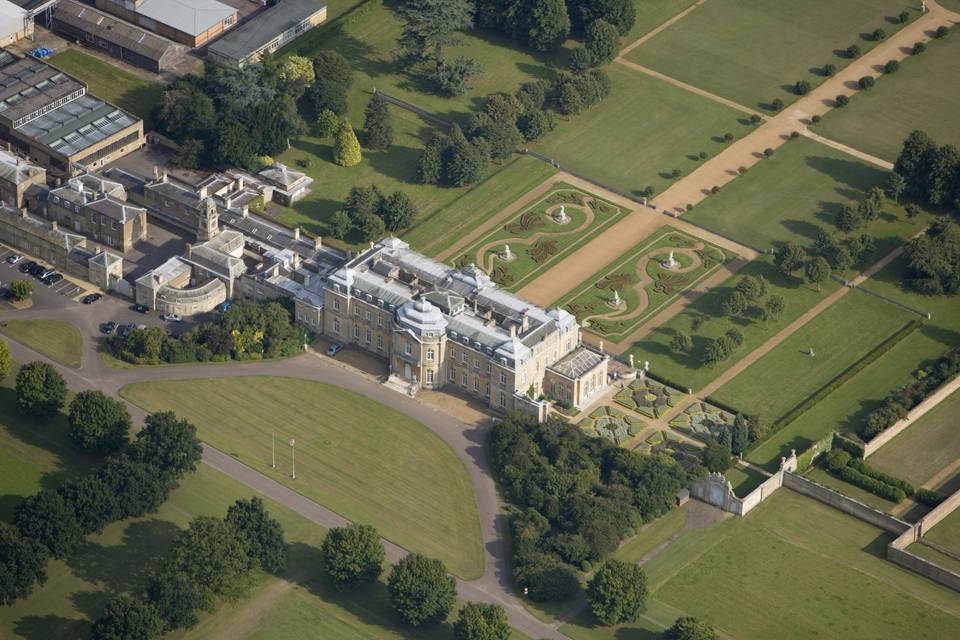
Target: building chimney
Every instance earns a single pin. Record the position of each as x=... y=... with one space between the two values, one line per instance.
x=525 y=322
x=163 y=176
x=296 y=265
x=189 y=250
x=240 y=182
x=317 y=243
x=513 y=330
x=245 y=210
x=156 y=172
x=23 y=212
x=53 y=225
x=202 y=194
x=228 y=201
x=296 y=233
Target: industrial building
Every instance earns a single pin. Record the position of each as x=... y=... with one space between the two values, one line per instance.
x=190 y=22
x=268 y=31
x=16 y=23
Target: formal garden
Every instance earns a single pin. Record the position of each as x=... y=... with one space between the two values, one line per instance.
x=649 y=397
x=704 y=421
x=614 y=302
x=540 y=236
x=755 y=52
x=612 y=424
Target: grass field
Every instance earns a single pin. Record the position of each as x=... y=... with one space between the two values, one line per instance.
x=925 y=449
x=946 y=533
x=793 y=569
x=112 y=83
x=536 y=241
x=651 y=14
x=822 y=476
x=55 y=339
x=753 y=51
x=643 y=130
x=796 y=193
x=702 y=319
x=841 y=335
x=360 y=458
x=652 y=535
x=744 y=479
x=641 y=281
x=877 y=121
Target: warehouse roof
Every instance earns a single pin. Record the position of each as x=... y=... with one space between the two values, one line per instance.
x=106 y=27
x=189 y=16
x=77 y=125
x=258 y=32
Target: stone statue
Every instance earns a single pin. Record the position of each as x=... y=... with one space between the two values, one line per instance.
x=670 y=262
x=631 y=361
x=646 y=365
x=616 y=298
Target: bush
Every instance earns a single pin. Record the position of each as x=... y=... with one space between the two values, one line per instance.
x=928 y=497
x=728 y=137
x=703 y=155
x=903 y=17
x=941 y=31
x=878 y=35
x=853 y=51
x=777 y=104
x=829 y=69
x=865 y=482
x=715 y=189
x=815 y=119
x=41 y=391
x=802 y=87
x=919 y=48
x=794 y=135
x=21 y=289
x=841 y=101
x=688 y=628
x=891 y=67
x=860 y=465
x=768 y=152
x=866 y=82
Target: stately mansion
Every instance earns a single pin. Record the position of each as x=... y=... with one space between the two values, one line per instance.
x=442 y=328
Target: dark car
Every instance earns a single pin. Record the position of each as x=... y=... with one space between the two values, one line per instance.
x=141 y=308
x=108 y=327
x=125 y=330
x=26 y=266
x=53 y=278
x=36 y=270
x=91 y=298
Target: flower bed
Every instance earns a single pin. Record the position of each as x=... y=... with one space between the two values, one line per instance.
x=612 y=424
x=648 y=397
x=703 y=421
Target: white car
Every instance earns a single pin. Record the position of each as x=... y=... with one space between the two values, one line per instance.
x=14 y=259
x=334 y=349
x=171 y=317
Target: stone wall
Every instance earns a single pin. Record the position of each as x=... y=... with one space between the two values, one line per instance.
x=715 y=489
x=924 y=567
x=915 y=414
x=843 y=503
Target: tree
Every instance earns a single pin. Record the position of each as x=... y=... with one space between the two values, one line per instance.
x=297 y=70
x=429 y=25
x=98 y=422
x=688 y=628
x=681 y=342
x=580 y=60
x=234 y=146
x=21 y=289
x=739 y=435
x=549 y=25
x=185 y=111
x=346 y=147
x=776 y=105
x=371 y=228
x=913 y=163
x=481 y=621
x=501 y=134
x=934 y=260
x=918 y=48
x=376 y=124
x=263 y=534
x=802 y=87
x=829 y=69
x=753 y=288
x=127 y=618
x=534 y=125
x=168 y=443
x=213 y=555
x=853 y=51
x=454 y=79
x=363 y=202
x=896 y=185
x=849 y=218
x=177 y=597
x=333 y=79
x=602 y=41
x=466 y=163
x=716 y=457
x=866 y=82
x=943 y=177
x=398 y=212
x=735 y=304
x=617 y=592
x=567 y=98
x=789 y=258
x=430 y=164
x=92 y=499
x=340 y=225
x=22 y=564
x=47 y=519
x=716 y=351
x=138 y=487
x=892 y=66
x=817 y=271
x=842 y=258
x=352 y=555
x=841 y=101
x=327 y=123
x=41 y=391
x=6 y=360
x=330 y=66
x=619 y=13
x=421 y=591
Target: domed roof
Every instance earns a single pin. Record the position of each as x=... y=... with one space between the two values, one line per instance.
x=420 y=316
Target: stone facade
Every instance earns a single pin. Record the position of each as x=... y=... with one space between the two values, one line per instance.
x=98 y=209
x=16 y=176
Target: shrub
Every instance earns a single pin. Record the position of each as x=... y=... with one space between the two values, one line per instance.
x=903 y=17
x=928 y=497
x=878 y=35
x=755 y=118
x=841 y=101
x=919 y=48
x=876 y=474
x=941 y=31
x=794 y=135
x=866 y=82
x=829 y=69
x=865 y=482
x=21 y=289
x=891 y=67
x=689 y=628
x=802 y=87
x=715 y=190
x=767 y=152
x=702 y=155
x=815 y=119
x=676 y=173
x=777 y=104
x=741 y=169
x=853 y=51
x=728 y=137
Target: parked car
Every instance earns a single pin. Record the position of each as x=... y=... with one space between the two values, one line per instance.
x=171 y=317
x=108 y=327
x=91 y=298
x=40 y=272
x=14 y=259
x=53 y=278
x=141 y=308
x=334 y=349
x=26 y=266
x=125 y=330
x=224 y=306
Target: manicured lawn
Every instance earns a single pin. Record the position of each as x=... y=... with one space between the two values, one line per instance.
x=796 y=193
x=841 y=335
x=926 y=448
x=877 y=121
x=536 y=240
x=847 y=408
x=55 y=339
x=946 y=533
x=703 y=321
x=824 y=477
x=651 y=14
x=642 y=131
x=792 y=569
x=360 y=458
x=744 y=479
x=753 y=51
x=435 y=232
x=641 y=281
x=652 y=535
x=113 y=84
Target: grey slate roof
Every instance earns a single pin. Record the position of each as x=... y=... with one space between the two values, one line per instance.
x=259 y=31
x=577 y=363
x=15 y=169
x=111 y=29
x=26 y=85
x=77 y=125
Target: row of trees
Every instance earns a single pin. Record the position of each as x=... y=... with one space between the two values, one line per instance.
x=576 y=497
x=934 y=260
x=371 y=213
x=246 y=331
x=133 y=483
x=209 y=560
x=545 y=25
x=930 y=172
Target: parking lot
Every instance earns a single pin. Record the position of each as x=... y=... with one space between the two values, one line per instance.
x=11 y=272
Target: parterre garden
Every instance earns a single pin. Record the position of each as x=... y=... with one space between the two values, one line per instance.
x=540 y=236
x=612 y=424
x=638 y=284
x=649 y=397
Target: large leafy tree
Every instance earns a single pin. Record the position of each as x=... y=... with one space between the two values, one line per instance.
x=177 y=597
x=789 y=258
x=47 y=519
x=602 y=41
x=41 y=390
x=127 y=618
x=263 y=534
x=431 y=25
x=139 y=487
x=481 y=621
x=352 y=555
x=617 y=592
x=98 y=422
x=548 y=24
x=620 y=13
x=169 y=443
x=22 y=564
x=421 y=590
x=93 y=500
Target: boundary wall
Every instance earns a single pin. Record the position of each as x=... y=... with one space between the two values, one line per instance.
x=897 y=550
x=915 y=414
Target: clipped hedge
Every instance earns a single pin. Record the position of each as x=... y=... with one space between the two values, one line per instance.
x=928 y=497
x=849 y=445
x=876 y=474
x=841 y=464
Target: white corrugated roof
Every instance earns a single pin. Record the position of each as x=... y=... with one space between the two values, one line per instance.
x=189 y=16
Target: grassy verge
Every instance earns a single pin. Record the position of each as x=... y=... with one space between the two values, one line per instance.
x=56 y=339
